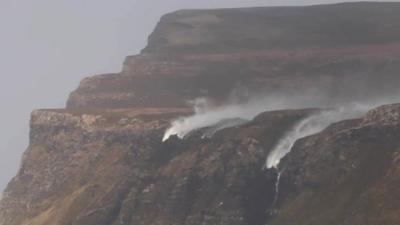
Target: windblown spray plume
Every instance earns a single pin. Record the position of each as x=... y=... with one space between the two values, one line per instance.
x=311 y=125
x=207 y=115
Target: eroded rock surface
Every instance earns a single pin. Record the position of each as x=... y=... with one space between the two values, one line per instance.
x=347 y=51
x=101 y=161
x=112 y=168
x=348 y=174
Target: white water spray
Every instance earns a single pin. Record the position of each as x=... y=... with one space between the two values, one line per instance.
x=311 y=125
x=206 y=115
x=308 y=126
x=205 y=118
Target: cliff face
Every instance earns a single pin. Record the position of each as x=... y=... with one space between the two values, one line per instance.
x=110 y=167
x=347 y=174
x=80 y=166
x=237 y=30
x=88 y=168
x=345 y=74
x=350 y=51
x=101 y=161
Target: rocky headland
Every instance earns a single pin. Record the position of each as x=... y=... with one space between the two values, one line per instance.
x=102 y=160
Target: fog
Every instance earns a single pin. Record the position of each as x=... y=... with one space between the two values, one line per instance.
x=48 y=46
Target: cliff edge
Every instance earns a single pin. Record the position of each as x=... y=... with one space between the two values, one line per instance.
x=102 y=160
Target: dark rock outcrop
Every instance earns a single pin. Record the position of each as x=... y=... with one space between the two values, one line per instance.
x=347 y=174
x=112 y=168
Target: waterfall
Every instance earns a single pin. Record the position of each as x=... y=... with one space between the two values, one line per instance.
x=306 y=127
x=278 y=179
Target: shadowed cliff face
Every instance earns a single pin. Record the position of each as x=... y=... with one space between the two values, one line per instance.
x=347 y=174
x=335 y=75
x=103 y=160
x=112 y=168
x=344 y=52
x=237 y=30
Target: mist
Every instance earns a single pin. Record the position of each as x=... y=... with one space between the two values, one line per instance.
x=329 y=110
x=207 y=114
x=311 y=125
x=49 y=46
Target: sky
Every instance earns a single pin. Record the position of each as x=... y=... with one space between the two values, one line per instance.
x=48 y=46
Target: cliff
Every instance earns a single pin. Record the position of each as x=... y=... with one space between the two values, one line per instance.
x=102 y=161
x=350 y=51
x=347 y=174
x=254 y=29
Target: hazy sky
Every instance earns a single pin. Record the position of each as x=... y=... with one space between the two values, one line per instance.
x=48 y=46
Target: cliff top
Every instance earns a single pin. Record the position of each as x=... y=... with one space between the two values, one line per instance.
x=244 y=29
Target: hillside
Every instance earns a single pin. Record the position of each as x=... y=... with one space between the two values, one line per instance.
x=306 y=80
